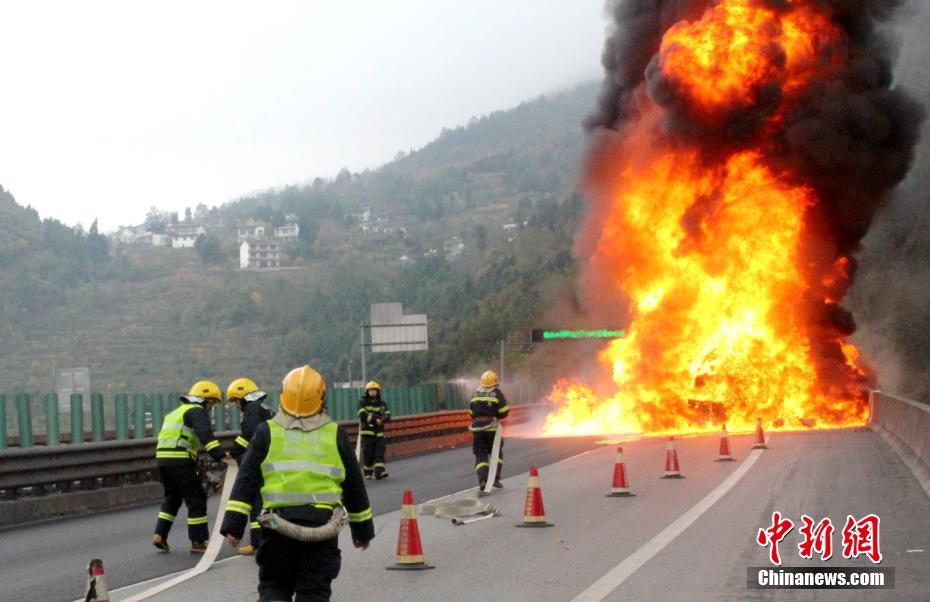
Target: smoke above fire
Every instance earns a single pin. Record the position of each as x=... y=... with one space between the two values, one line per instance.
x=738 y=156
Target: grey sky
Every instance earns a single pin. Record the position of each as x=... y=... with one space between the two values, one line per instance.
x=107 y=108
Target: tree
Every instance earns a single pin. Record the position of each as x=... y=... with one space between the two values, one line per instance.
x=97 y=244
x=210 y=250
x=187 y=214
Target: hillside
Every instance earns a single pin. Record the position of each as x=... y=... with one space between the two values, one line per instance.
x=144 y=318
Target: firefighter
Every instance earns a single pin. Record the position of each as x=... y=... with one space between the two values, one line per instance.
x=302 y=463
x=182 y=434
x=486 y=408
x=246 y=396
x=372 y=414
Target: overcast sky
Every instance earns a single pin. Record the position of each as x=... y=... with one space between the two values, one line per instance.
x=107 y=108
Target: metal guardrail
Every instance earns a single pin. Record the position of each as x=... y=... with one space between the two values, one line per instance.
x=40 y=471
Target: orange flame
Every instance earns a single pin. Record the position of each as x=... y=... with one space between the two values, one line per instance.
x=710 y=253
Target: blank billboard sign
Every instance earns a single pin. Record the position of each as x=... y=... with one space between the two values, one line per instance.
x=72 y=381
x=392 y=330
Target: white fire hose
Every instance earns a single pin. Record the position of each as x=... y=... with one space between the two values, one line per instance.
x=495 y=457
x=213 y=548
x=286 y=528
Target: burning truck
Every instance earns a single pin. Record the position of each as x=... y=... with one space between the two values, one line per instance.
x=740 y=152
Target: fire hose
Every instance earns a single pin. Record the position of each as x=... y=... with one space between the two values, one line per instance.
x=286 y=528
x=213 y=548
x=494 y=461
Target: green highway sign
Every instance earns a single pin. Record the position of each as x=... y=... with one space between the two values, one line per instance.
x=540 y=335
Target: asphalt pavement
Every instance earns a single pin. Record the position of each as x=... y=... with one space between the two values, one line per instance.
x=686 y=548
x=47 y=562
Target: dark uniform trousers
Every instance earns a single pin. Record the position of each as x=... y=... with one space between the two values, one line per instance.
x=373 y=451
x=482 y=444
x=182 y=485
x=288 y=567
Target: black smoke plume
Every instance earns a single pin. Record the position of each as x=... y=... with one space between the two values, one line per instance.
x=851 y=136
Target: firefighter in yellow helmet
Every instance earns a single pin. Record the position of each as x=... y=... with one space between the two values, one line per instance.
x=373 y=412
x=184 y=432
x=310 y=482
x=250 y=400
x=486 y=408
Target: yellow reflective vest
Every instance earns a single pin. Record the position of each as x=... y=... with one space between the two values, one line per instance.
x=302 y=468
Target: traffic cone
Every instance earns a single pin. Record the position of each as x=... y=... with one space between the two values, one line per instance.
x=620 y=486
x=534 y=514
x=672 y=470
x=760 y=436
x=724 y=454
x=409 y=555
x=96 y=590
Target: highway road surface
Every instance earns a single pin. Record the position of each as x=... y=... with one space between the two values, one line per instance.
x=48 y=562
x=687 y=539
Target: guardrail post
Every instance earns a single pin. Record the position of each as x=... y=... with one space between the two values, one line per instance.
x=274 y=400
x=235 y=419
x=2 y=421
x=96 y=416
x=138 y=416
x=77 y=418
x=24 y=420
x=121 y=401
x=219 y=418
x=52 y=427
x=158 y=412
x=174 y=402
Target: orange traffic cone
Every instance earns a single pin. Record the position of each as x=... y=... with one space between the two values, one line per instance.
x=620 y=486
x=534 y=514
x=672 y=470
x=409 y=555
x=724 y=454
x=760 y=436
x=96 y=590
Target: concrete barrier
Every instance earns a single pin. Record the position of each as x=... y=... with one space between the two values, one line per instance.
x=905 y=426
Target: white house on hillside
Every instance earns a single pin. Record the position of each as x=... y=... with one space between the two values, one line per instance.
x=287 y=233
x=185 y=237
x=252 y=229
x=259 y=254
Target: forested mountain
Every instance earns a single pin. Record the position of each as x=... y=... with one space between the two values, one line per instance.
x=144 y=318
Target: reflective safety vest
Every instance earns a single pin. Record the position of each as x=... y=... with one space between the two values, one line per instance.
x=302 y=468
x=176 y=440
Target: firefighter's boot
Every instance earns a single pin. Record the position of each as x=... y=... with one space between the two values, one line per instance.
x=198 y=547
x=161 y=543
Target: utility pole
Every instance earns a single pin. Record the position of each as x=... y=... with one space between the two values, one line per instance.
x=501 y=377
x=364 y=367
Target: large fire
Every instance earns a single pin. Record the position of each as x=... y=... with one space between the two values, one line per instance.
x=714 y=252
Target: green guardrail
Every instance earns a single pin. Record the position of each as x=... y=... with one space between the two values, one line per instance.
x=77 y=418
x=52 y=428
x=139 y=415
x=2 y=421
x=98 y=430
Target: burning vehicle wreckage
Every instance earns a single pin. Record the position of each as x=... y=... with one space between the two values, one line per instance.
x=740 y=153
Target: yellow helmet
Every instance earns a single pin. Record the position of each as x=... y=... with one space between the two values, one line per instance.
x=303 y=392
x=239 y=388
x=202 y=391
x=373 y=385
x=489 y=379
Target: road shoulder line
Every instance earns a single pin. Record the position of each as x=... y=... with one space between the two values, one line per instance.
x=611 y=580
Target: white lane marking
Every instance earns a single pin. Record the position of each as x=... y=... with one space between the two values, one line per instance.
x=218 y=562
x=603 y=587
x=213 y=548
x=168 y=576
